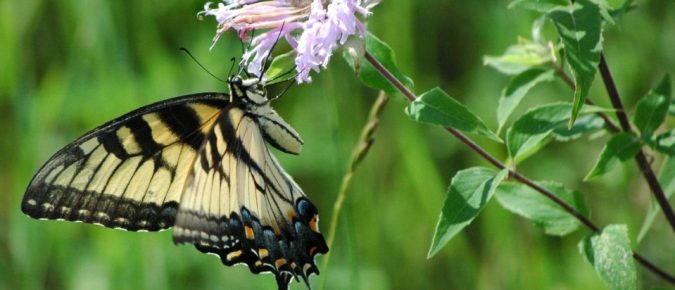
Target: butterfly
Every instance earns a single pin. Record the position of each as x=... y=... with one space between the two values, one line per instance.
x=197 y=163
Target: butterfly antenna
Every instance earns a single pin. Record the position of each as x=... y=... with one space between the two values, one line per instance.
x=267 y=59
x=290 y=84
x=283 y=74
x=200 y=65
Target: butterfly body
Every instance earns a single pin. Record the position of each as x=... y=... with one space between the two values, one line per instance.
x=197 y=163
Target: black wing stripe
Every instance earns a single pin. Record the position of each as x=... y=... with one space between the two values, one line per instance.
x=113 y=145
x=143 y=136
x=183 y=121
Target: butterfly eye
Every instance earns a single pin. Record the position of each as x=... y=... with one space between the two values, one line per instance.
x=236 y=81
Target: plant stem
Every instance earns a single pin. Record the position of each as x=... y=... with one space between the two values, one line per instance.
x=358 y=153
x=640 y=158
x=530 y=183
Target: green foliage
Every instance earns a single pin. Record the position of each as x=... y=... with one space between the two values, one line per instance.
x=532 y=130
x=580 y=28
x=516 y=90
x=652 y=109
x=667 y=181
x=371 y=77
x=664 y=143
x=538 y=5
x=520 y=57
x=530 y=204
x=610 y=254
x=671 y=108
x=619 y=148
x=470 y=190
x=438 y=108
x=586 y=124
x=280 y=65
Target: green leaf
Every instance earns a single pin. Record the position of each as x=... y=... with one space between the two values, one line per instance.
x=280 y=65
x=584 y=125
x=667 y=181
x=470 y=190
x=437 y=107
x=580 y=28
x=618 y=11
x=528 y=203
x=520 y=57
x=516 y=90
x=664 y=143
x=610 y=254
x=532 y=130
x=621 y=147
x=538 y=5
x=370 y=76
x=652 y=109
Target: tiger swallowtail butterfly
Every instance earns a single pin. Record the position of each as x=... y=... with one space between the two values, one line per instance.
x=197 y=163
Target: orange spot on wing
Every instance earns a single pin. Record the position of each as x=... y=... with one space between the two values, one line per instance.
x=233 y=255
x=263 y=253
x=249 y=232
x=280 y=262
x=314 y=223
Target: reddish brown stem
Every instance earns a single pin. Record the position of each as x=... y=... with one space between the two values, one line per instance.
x=640 y=158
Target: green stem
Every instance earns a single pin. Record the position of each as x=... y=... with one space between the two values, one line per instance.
x=358 y=153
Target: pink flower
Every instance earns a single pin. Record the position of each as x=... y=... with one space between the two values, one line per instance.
x=313 y=28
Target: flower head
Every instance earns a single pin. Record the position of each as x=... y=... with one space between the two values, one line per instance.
x=313 y=28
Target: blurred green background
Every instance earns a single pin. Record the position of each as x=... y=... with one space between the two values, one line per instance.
x=67 y=66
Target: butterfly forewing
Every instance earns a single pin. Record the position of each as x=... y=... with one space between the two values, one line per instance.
x=128 y=173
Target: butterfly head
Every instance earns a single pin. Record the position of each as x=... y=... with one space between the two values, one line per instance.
x=250 y=91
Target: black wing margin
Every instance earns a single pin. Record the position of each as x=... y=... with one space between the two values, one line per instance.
x=130 y=172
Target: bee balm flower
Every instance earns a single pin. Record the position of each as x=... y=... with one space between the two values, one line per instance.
x=313 y=28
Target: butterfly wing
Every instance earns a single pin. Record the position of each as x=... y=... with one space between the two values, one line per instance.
x=130 y=172
x=242 y=206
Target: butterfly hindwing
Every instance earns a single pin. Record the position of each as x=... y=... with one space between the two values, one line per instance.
x=244 y=207
x=277 y=132
x=128 y=173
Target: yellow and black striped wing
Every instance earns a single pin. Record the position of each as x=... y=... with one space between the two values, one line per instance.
x=130 y=172
x=242 y=206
